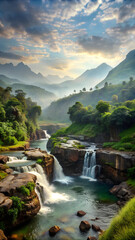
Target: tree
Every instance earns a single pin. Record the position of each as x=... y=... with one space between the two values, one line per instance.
x=2 y=114
x=34 y=113
x=72 y=110
x=103 y=106
x=115 y=98
x=106 y=84
x=124 y=83
x=96 y=87
x=84 y=89
x=74 y=91
x=91 y=89
x=121 y=117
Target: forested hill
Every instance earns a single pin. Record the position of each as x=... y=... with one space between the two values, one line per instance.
x=57 y=111
x=18 y=117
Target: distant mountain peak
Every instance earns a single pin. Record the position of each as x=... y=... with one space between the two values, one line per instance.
x=131 y=54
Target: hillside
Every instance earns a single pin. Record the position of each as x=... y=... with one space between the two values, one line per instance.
x=87 y=80
x=37 y=94
x=6 y=81
x=57 y=111
x=122 y=72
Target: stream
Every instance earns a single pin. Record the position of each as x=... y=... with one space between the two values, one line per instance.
x=65 y=196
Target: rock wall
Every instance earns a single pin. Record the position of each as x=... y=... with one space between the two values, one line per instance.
x=70 y=159
x=47 y=161
x=11 y=215
x=115 y=164
x=37 y=135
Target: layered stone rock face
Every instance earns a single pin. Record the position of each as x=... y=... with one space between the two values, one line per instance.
x=11 y=214
x=37 y=135
x=70 y=159
x=47 y=161
x=115 y=164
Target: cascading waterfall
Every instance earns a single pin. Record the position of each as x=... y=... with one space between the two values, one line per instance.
x=45 y=191
x=59 y=175
x=46 y=134
x=90 y=168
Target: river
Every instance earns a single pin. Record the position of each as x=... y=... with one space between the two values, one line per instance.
x=68 y=197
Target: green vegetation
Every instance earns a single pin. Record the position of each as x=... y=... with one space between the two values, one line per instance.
x=18 y=117
x=26 y=190
x=131 y=182
x=2 y=175
x=57 y=111
x=78 y=145
x=39 y=161
x=16 y=208
x=122 y=226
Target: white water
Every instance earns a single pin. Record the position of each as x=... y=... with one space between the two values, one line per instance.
x=90 y=168
x=59 y=175
x=45 y=191
x=46 y=134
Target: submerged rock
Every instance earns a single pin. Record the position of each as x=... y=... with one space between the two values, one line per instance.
x=2 y=235
x=84 y=226
x=53 y=230
x=96 y=228
x=81 y=213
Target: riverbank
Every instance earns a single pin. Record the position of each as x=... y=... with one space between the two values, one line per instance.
x=22 y=145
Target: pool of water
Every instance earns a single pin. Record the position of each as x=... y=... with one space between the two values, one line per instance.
x=92 y=197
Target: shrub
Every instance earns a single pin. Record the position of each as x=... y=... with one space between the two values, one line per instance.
x=126 y=139
x=108 y=144
x=2 y=175
x=24 y=190
x=121 y=149
x=10 y=140
x=30 y=186
x=17 y=206
x=13 y=214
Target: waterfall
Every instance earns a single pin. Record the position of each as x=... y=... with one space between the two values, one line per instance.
x=45 y=191
x=46 y=134
x=59 y=175
x=90 y=168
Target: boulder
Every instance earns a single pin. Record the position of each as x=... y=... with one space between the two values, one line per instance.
x=2 y=235
x=3 y=159
x=122 y=191
x=81 y=213
x=5 y=202
x=96 y=228
x=84 y=226
x=91 y=238
x=53 y=230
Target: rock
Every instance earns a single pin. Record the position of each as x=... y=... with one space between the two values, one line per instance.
x=81 y=213
x=115 y=164
x=122 y=191
x=2 y=235
x=5 y=202
x=4 y=159
x=84 y=226
x=70 y=159
x=96 y=228
x=91 y=238
x=53 y=230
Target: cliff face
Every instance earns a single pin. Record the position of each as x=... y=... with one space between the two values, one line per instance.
x=70 y=159
x=115 y=164
x=47 y=161
x=18 y=199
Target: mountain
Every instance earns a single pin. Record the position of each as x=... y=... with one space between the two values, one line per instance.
x=53 y=79
x=121 y=72
x=88 y=79
x=37 y=94
x=8 y=81
x=23 y=73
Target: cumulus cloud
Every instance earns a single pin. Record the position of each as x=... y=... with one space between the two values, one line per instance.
x=99 y=45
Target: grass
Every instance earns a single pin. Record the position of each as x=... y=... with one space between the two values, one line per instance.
x=18 y=145
x=131 y=182
x=122 y=226
x=88 y=130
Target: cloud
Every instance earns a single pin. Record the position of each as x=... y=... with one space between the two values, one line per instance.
x=99 y=45
x=9 y=55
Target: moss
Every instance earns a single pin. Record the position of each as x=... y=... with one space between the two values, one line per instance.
x=39 y=161
x=131 y=182
x=2 y=175
x=26 y=190
x=122 y=226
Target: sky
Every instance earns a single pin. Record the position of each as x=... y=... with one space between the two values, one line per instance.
x=66 y=37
